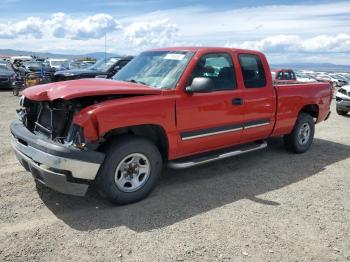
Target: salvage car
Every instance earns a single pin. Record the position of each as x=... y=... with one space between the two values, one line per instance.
x=7 y=75
x=283 y=75
x=40 y=67
x=179 y=107
x=58 y=64
x=105 y=68
x=342 y=99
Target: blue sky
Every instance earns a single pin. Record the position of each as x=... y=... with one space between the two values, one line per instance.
x=287 y=31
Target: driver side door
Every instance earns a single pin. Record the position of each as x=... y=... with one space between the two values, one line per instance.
x=210 y=120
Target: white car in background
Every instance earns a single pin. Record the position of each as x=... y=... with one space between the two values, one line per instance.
x=342 y=99
x=304 y=78
x=58 y=64
x=335 y=82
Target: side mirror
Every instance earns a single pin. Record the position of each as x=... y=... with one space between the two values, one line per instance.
x=200 y=85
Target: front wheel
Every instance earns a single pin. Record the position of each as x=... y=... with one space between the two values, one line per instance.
x=300 y=140
x=130 y=171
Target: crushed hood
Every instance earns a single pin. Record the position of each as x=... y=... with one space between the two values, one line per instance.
x=86 y=87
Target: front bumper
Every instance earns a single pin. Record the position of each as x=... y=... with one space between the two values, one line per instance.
x=62 y=168
x=343 y=104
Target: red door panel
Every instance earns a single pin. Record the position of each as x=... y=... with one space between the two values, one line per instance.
x=207 y=121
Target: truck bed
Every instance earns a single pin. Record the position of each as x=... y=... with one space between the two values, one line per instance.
x=291 y=97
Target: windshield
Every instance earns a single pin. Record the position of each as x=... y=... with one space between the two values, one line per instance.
x=104 y=64
x=160 y=69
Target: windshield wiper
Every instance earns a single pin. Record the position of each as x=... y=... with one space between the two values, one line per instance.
x=136 y=81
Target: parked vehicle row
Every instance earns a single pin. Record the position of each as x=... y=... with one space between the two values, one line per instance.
x=104 y=68
x=289 y=76
x=24 y=71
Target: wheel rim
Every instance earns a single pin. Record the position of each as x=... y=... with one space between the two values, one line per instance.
x=304 y=133
x=132 y=172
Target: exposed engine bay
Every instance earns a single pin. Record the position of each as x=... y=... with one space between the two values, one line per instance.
x=53 y=119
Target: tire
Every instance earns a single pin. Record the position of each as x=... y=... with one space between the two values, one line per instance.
x=341 y=112
x=300 y=140
x=119 y=175
x=15 y=91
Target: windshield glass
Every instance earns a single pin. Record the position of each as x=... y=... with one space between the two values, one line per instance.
x=104 y=64
x=160 y=69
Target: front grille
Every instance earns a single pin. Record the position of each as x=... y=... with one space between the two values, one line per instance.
x=49 y=119
x=4 y=79
x=53 y=119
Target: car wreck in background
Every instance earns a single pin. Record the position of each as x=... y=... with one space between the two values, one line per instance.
x=7 y=75
x=104 y=68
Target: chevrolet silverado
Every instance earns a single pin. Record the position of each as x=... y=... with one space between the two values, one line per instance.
x=179 y=107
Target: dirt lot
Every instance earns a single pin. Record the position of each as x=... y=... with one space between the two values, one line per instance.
x=264 y=206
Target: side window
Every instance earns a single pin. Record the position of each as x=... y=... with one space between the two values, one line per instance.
x=252 y=70
x=280 y=75
x=219 y=68
x=286 y=75
x=292 y=76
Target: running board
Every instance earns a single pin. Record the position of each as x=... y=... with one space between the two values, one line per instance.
x=216 y=155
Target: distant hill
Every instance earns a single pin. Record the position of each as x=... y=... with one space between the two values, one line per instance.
x=326 y=67
x=97 y=55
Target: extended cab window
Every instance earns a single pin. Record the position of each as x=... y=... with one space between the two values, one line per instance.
x=219 y=68
x=252 y=70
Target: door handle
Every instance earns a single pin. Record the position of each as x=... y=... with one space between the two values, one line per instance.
x=237 y=101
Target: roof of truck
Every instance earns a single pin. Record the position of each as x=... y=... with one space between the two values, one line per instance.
x=205 y=48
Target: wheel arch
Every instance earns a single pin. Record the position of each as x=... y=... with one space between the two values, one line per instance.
x=154 y=133
x=311 y=109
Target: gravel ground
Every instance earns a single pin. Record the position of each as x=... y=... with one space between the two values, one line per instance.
x=264 y=206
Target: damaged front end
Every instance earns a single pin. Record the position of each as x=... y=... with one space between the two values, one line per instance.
x=49 y=145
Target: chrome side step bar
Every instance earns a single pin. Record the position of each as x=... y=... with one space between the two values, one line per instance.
x=210 y=157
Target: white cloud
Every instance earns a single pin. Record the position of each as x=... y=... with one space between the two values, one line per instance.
x=152 y=33
x=294 y=43
x=282 y=31
x=61 y=25
x=31 y=26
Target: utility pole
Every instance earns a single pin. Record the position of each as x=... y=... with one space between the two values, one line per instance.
x=105 y=46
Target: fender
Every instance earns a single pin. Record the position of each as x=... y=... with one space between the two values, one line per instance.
x=97 y=120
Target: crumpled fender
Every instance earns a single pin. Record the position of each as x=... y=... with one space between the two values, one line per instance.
x=98 y=119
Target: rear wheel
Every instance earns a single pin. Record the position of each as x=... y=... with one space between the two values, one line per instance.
x=300 y=140
x=130 y=171
x=341 y=112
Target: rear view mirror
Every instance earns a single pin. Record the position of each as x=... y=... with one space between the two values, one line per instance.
x=200 y=85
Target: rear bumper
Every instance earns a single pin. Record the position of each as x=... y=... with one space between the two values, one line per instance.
x=59 y=167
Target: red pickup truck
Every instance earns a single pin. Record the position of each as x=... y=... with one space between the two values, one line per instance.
x=178 y=107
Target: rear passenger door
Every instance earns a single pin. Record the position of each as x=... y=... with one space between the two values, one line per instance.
x=259 y=98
